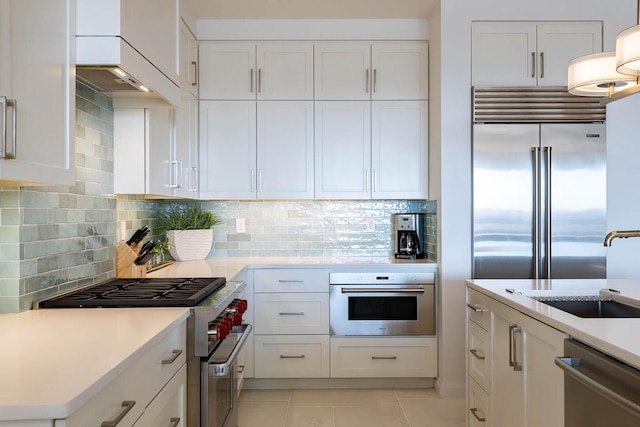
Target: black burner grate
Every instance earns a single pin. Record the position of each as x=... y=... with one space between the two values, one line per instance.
x=165 y=292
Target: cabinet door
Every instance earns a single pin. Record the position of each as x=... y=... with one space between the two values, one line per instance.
x=399 y=149
x=558 y=43
x=37 y=71
x=285 y=71
x=188 y=60
x=227 y=150
x=503 y=54
x=162 y=168
x=400 y=71
x=342 y=71
x=285 y=150
x=342 y=150
x=186 y=142
x=508 y=383
x=227 y=71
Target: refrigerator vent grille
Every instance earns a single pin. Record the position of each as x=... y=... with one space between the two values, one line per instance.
x=534 y=105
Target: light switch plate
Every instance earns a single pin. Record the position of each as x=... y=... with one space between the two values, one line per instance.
x=240 y=225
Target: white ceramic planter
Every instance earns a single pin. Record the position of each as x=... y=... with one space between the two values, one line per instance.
x=190 y=245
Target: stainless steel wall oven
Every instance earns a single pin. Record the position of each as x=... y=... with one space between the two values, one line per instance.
x=395 y=304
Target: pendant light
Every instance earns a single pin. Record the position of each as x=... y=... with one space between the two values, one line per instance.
x=628 y=49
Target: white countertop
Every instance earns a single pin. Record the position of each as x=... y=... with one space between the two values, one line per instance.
x=617 y=337
x=54 y=360
x=233 y=267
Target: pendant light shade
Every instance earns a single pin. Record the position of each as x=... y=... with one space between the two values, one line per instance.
x=596 y=75
x=628 y=51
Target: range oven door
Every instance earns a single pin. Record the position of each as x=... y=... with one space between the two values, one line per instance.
x=392 y=309
x=218 y=381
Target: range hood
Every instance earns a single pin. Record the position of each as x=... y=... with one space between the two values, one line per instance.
x=111 y=65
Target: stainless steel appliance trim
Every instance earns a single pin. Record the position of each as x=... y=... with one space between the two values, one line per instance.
x=381 y=290
x=568 y=365
x=536 y=212
x=534 y=105
x=548 y=211
x=223 y=369
x=127 y=405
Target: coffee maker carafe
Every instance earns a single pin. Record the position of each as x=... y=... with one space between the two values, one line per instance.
x=410 y=236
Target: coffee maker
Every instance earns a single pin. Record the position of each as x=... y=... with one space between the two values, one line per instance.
x=410 y=234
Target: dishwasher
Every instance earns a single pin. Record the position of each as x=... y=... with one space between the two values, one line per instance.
x=599 y=390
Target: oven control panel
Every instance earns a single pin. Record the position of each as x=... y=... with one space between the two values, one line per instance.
x=380 y=278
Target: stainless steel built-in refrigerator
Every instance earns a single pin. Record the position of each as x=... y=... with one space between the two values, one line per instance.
x=539 y=185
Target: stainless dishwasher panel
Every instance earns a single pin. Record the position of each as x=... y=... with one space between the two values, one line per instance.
x=599 y=391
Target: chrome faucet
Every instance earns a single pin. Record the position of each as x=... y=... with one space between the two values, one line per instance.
x=620 y=234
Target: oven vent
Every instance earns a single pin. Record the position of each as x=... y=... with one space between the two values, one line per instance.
x=534 y=105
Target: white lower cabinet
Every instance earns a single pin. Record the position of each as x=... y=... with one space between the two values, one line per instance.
x=380 y=357
x=292 y=356
x=131 y=397
x=519 y=379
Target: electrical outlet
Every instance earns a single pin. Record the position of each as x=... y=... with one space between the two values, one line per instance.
x=123 y=230
x=240 y=225
x=371 y=225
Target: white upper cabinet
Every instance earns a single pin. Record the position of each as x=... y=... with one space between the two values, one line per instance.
x=269 y=71
x=364 y=71
x=37 y=92
x=186 y=147
x=529 y=54
x=188 y=60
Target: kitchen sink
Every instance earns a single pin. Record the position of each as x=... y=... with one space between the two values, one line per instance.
x=593 y=308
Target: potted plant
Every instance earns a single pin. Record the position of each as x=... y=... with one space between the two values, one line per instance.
x=189 y=229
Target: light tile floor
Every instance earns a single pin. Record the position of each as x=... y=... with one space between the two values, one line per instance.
x=349 y=408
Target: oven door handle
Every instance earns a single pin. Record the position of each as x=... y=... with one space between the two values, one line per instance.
x=223 y=369
x=382 y=290
x=567 y=365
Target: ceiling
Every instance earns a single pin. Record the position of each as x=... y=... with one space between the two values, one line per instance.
x=313 y=9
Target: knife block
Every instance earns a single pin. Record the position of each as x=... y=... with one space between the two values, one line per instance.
x=125 y=268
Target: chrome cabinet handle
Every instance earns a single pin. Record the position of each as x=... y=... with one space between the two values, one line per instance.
x=174 y=421
x=195 y=73
x=4 y=154
x=292 y=314
x=366 y=180
x=375 y=180
x=366 y=84
x=251 y=81
x=253 y=177
x=260 y=180
x=169 y=361
x=193 y=179
x=533 y=65
x=126 y=407
x=542 y=65
x=383 y=358
x=240 y=369
x=290 y=281
x=375 y=80
x=179 y=174
x=474 y=412
x=475 y=308
x=568 y=364
x=475 y=354
x=513 y=349
x=282 y=356
x=259 y=80
x=535 y=152
x=547 y=243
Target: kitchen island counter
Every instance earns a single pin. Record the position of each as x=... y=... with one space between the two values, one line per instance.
x=54 y=360
x=617 y=337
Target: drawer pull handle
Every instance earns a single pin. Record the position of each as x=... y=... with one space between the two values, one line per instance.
x=174 y=421
x=290 y=281
x=475 y=354
x=474 y=411
x=126 y=405
x=240 y=369
x=292 y=314
x=169 y=361
x=282 y=356
x=383 y=357
x=475 y=308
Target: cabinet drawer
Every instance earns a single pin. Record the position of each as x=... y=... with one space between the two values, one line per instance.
x=292 y=356
x=479 y=406
x=166 y=357
x=479 y=357
x=384 y=357
x=477 y=308
x=169 y=406
x=292 y=313
x=291 y=280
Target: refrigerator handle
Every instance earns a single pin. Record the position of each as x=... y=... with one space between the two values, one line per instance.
x=535 y=152
x=547 y=231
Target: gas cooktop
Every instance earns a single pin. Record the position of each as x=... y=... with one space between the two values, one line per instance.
x=161 y=292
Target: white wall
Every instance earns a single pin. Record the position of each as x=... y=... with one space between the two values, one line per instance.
x=450 y=141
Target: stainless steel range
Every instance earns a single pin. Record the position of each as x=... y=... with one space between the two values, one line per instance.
x=215 y=333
